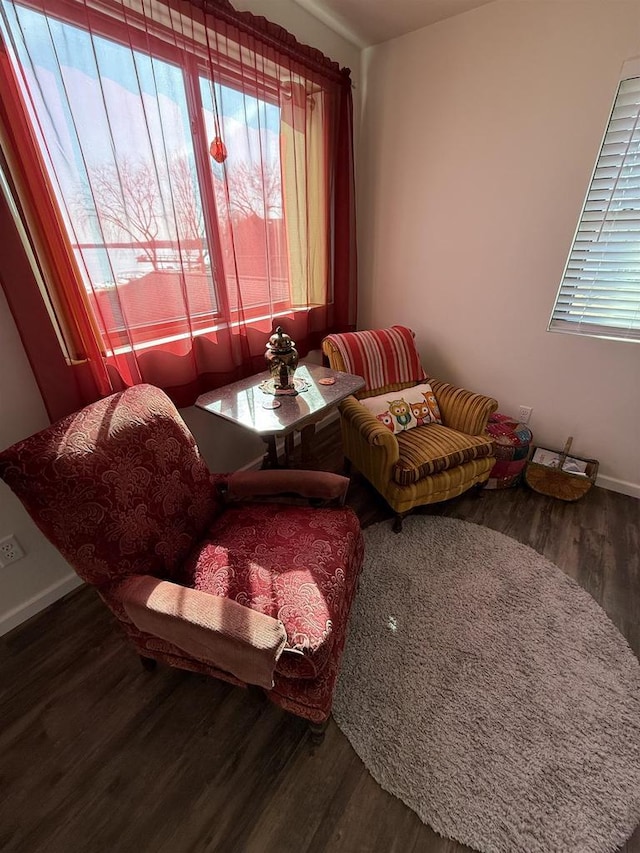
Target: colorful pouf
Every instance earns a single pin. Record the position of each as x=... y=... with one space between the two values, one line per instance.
x=512 y=441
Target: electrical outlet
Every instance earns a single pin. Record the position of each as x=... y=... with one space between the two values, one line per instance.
x=525 y=414
x=10 y=551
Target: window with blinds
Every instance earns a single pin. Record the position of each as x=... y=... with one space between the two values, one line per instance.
x=599 y=294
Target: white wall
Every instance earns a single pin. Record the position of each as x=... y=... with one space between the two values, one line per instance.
x=42 y=576
x=307 y=29
x=479 y=137
x=34 y=582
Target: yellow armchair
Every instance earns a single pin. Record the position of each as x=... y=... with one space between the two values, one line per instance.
x=423 y=465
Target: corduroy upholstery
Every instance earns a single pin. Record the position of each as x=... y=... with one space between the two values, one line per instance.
x=428 y=463
x=193 y=569
x=425 y=451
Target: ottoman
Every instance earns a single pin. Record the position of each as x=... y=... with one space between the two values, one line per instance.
x=511 y=441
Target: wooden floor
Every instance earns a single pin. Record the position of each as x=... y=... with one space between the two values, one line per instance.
x=97 y=755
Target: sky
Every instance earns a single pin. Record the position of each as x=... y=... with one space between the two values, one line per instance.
x=100 y=102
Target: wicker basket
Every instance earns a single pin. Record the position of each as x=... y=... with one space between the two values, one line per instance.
x=557 y=483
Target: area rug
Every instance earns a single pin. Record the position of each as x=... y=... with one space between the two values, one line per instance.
x=490 y=693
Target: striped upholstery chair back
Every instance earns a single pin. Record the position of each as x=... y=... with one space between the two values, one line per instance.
x=387 y=359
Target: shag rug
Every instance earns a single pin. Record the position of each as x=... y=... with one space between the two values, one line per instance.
x=490 y=693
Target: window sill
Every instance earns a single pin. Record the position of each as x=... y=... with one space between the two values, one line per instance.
x=217 y=327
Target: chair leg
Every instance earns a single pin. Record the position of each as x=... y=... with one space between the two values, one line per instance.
x=397 y=522
x=148 y=664
x=317 y=731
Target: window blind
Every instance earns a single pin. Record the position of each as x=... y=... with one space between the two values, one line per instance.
x=599 y=294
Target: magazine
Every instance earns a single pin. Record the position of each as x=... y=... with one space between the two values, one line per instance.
x=546 y=457
x=575 y=466
x=551 y=459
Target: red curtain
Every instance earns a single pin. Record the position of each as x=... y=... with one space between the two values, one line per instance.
x=185 y=175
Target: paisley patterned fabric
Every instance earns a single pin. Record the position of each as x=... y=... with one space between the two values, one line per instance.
x=119 y=488
x=294 y=689
x=288 y=563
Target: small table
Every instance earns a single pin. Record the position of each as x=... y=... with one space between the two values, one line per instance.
x=242 y=403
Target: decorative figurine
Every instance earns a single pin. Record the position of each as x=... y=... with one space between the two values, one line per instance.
x=282 y=359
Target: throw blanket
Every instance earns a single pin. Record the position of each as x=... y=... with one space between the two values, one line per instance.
x=382 y=356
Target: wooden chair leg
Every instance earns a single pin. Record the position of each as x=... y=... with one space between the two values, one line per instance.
x=317 y=731
x=397 y=522
x=148 y=664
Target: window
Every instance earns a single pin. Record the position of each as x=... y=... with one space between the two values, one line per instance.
x=154 y=220
x=599 y=294
x=184 y=175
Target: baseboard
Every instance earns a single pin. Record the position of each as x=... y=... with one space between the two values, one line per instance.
x=38 y=602
x=622 y=486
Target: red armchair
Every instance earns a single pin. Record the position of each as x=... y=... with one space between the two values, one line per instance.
x=200 y=572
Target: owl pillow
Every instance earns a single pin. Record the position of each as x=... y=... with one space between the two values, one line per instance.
x=402 y=410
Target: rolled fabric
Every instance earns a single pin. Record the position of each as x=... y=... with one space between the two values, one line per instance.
x=321 y=485
x=212 y=629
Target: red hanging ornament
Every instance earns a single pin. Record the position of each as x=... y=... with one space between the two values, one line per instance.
x=218 y=150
